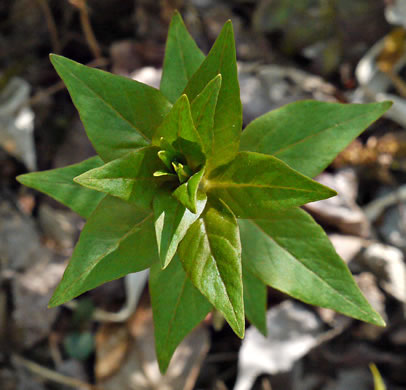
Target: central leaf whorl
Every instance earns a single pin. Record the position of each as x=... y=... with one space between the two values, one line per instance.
x=177 y=165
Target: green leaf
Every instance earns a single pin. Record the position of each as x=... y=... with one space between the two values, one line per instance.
x=172 y=220
x=187 y=192
x=307 y=135
x=164 y=173
x=79 y=345
x=256 y=185
x=254 y=300
x=193 y=153
x=228 y=117
x=183 y=171
x=178 y=130
x=167 y=147
x=119 y=114
x=167 y=156
x=379 y=384
x=203 y=109
x=211 y=256
x=291 y=252
x=58 y=184
x=178 y=121
x=177 y=308
x=130 y=177
x=118 y=239
x=182 y=59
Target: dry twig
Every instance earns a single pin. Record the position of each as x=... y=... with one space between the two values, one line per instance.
x=52 y=375
x=53 y=31
x=44 y=93
x=87 y=27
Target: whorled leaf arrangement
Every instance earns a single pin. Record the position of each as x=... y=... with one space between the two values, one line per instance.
x=213 y=211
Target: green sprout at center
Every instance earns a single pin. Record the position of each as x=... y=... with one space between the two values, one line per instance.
x=175 y=163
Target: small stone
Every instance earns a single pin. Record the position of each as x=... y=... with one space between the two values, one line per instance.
x=124 y=57
x=392 y=227
x=398 y=336
x=347 y=246
x=387 y=263
x=19 y=238
x=32 y=291
x=341 y=211
x=254 y=97
x=368 y=285
x=293 y=330
x=61 y=226
x=17 y=122
x=148 y=75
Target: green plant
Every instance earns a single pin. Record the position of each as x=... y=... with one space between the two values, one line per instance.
x=212 y=211
x=379 y=384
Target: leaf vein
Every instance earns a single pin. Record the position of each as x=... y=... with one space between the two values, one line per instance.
x=119 y=114
x=218 y=271
x=302 y=140
x=110 y=250
x=171 y=321
x=225 y=185
x=308 y=269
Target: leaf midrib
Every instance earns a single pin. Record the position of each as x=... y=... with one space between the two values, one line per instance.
x=171 y=321
x=203 y=108
x=305 y=139
x=48 y=181
x=182 y=56
x=219 y=273
x=119 y=114
x=131 y=179
x=307 y=268
x=173 y=230
x=106 y=253
x=223 y=184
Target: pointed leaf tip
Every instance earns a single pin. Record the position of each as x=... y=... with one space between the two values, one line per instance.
x=257 y=185
x=182 y=59
x=228 y=27
x=312 y=125
x=56 y=58
x=128 y=111
x=187 y=193
x=218 y=79
x=105 y=251
x=20 y=179
x=172 y=221
x=226 y=129
x=58 y=184
x=184 y=99
x=211 y=256
x=176 y=312
x=277 y=248
x=129 y=177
